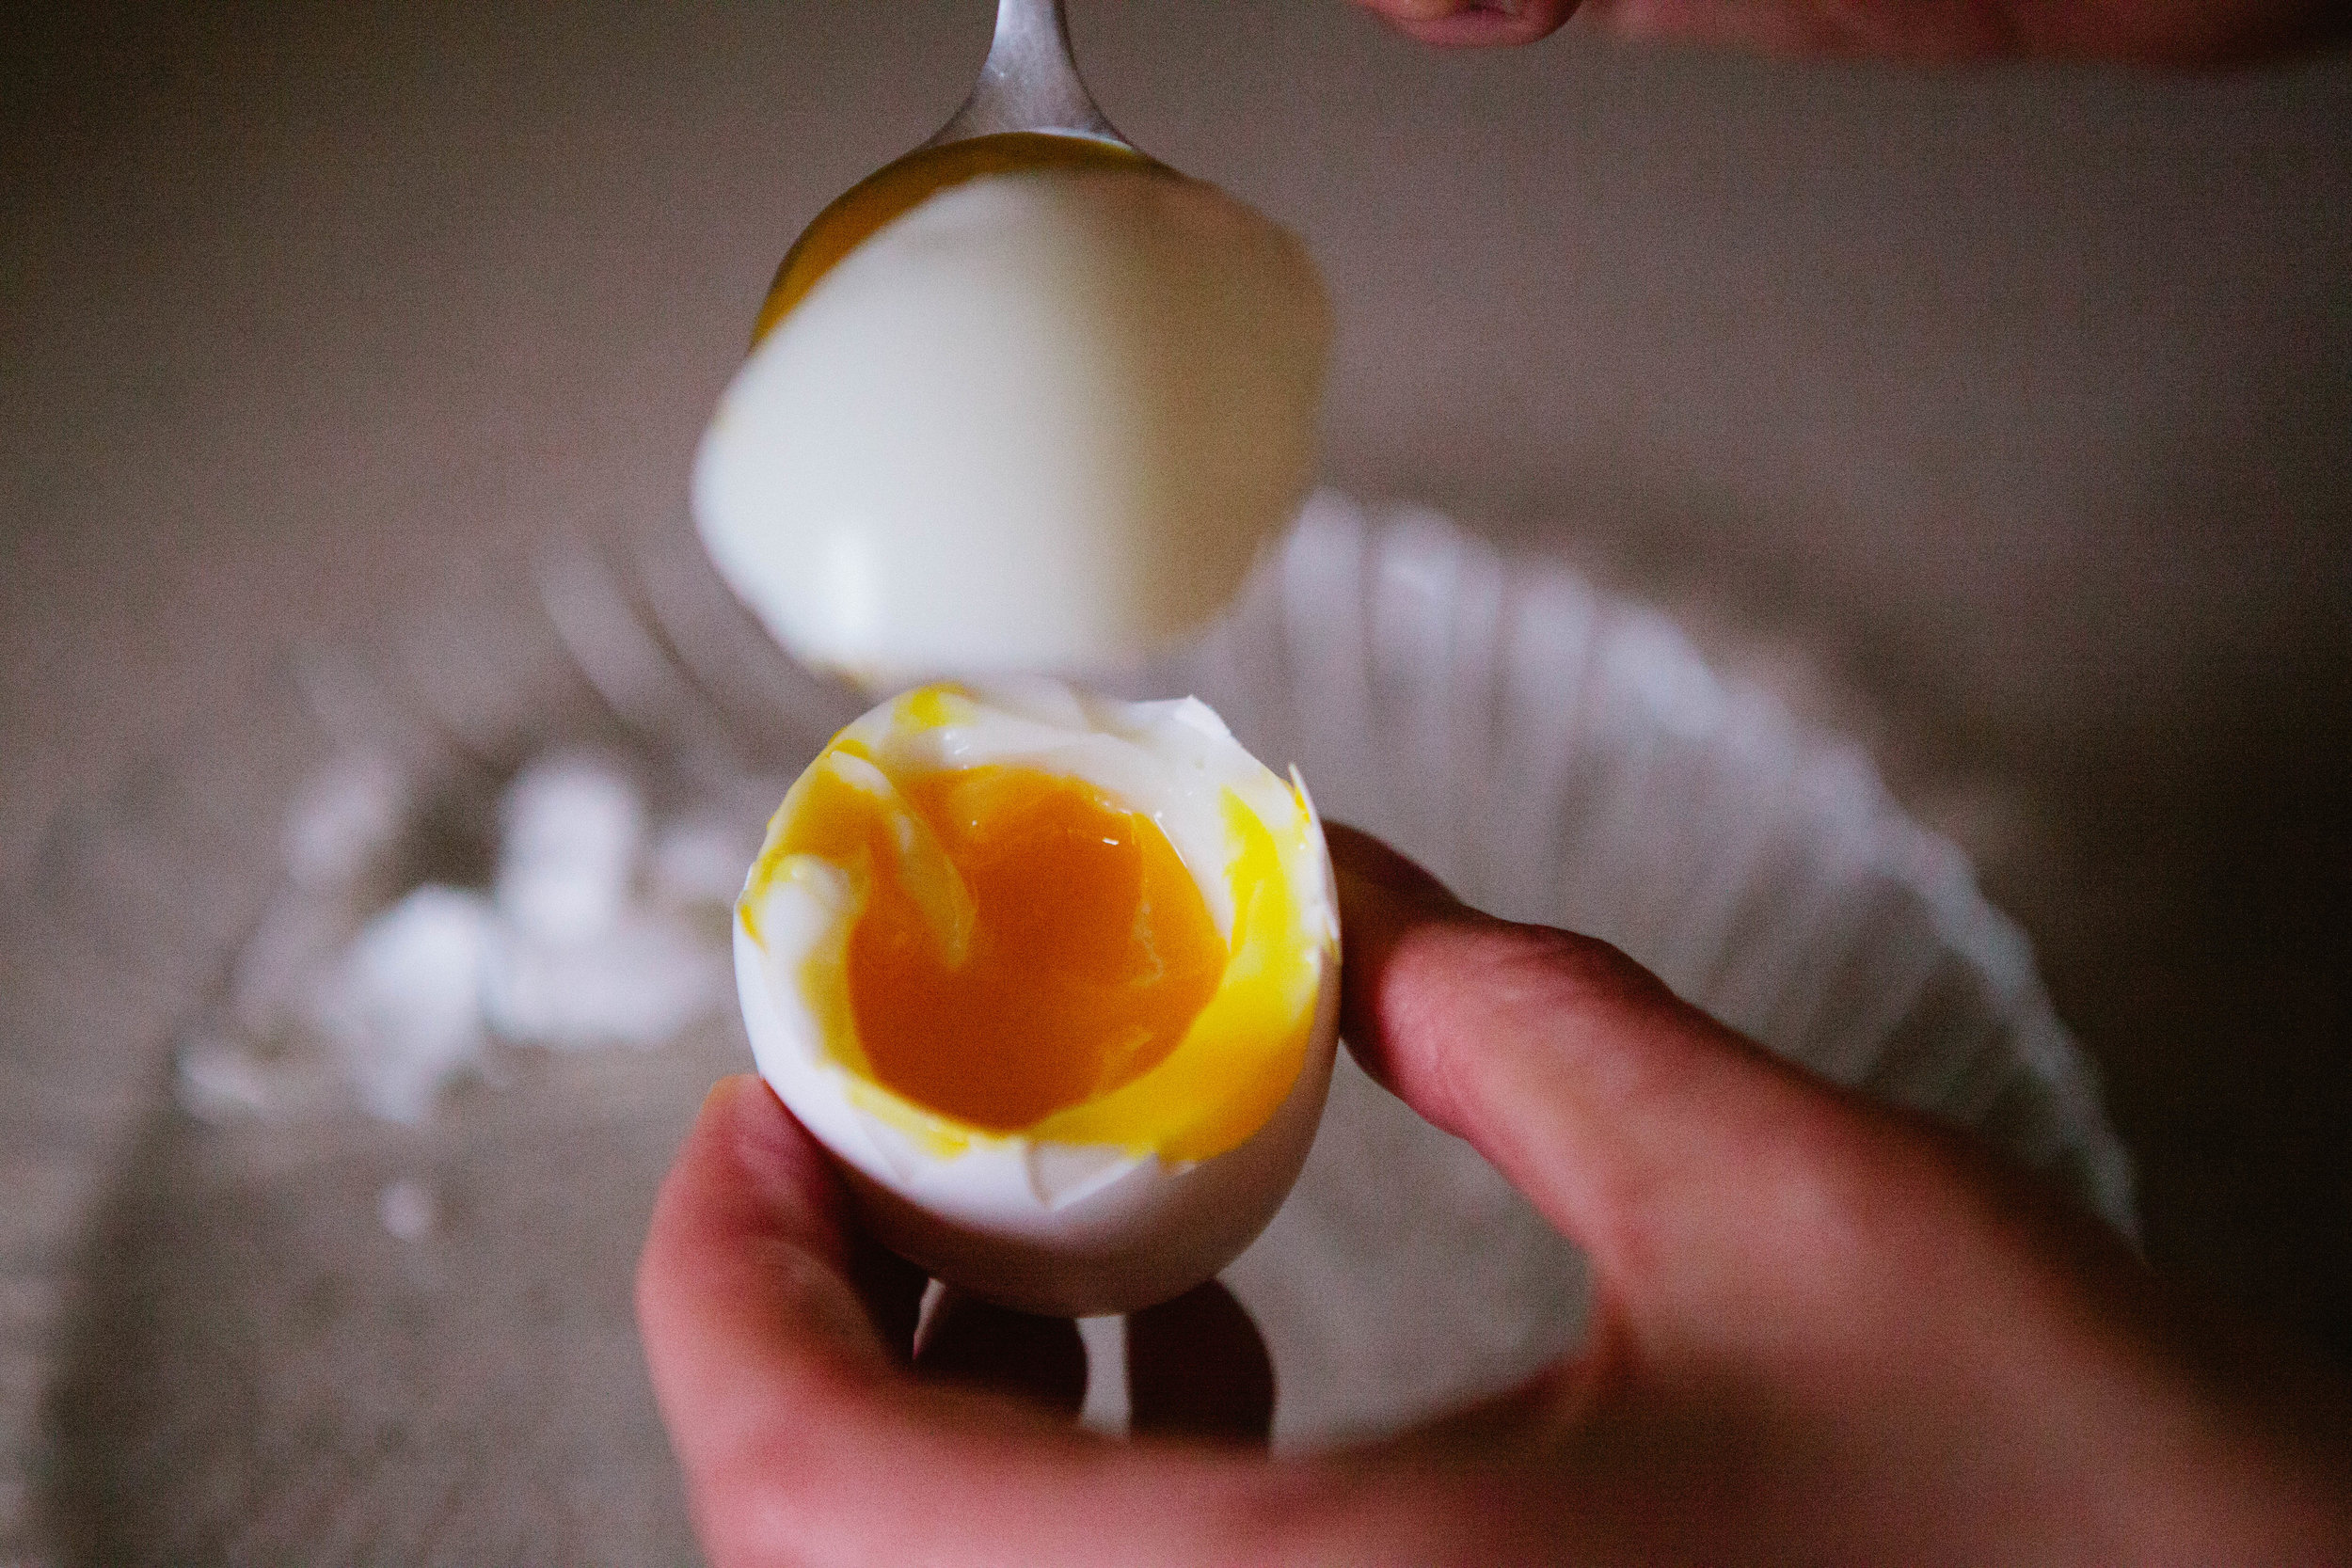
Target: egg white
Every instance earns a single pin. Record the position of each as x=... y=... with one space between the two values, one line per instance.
x=1071 y=1227
x=1038 y=422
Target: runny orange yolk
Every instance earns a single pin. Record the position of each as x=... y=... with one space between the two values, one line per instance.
x=1090 y=949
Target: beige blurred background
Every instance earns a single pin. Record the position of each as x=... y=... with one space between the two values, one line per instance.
x=2001 y=418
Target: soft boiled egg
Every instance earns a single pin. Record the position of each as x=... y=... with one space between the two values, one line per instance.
x=1056 y=978
x=1037 y=421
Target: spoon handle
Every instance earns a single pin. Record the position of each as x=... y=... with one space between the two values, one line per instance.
x=1029 y=81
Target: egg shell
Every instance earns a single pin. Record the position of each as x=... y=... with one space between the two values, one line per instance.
x=1052 y=1227
x=1045 y=1228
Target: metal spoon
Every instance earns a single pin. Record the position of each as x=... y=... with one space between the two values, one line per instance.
x=1029 y=82
x=1030 y=110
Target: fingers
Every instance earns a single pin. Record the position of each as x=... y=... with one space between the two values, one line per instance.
x=2175 y=33
x=748 y=1300
x=1474 y=22
x=892 y=1290
x=1938 y=30
x=2172 y=33
x=982 y=1345
x=750 y=1229
x=1197 y=1367
x=1690 y=1163
x=1522 y=1039
x=803 y=1438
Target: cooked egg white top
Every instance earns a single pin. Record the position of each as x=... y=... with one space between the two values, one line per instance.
x=1040 y=421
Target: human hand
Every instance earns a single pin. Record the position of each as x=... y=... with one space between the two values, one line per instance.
x=1822 y=1331
x=2169 y=32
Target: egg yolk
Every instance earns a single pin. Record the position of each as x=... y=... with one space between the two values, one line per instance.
x=1089 y=953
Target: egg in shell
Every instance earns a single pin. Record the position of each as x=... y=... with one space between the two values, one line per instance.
x=1056 y=979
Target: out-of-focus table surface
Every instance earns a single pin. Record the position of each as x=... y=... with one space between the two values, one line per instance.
x=2002 y=418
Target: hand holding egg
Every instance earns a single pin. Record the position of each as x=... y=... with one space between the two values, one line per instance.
x=1827 y=1332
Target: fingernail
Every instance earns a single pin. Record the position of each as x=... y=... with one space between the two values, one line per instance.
x=759 y=1137
x=727 y=1095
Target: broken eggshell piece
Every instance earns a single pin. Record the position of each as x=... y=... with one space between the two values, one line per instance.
x=1148 y=1186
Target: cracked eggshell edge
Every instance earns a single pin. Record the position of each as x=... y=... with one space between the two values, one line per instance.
x=1055 y=1229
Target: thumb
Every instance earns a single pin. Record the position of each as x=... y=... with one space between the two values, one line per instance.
x=1859 y=1318
x=1715 y=1187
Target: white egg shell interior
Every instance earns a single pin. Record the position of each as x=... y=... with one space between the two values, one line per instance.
x=1038 y=421
x=1069 y=1229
